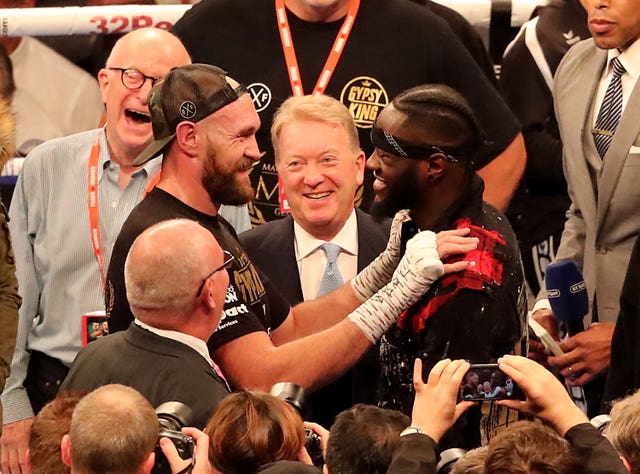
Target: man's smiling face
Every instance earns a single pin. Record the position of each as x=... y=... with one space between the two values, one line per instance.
x=320 y=169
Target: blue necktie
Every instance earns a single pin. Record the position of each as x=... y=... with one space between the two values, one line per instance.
x=331 y=279
x=610 y=110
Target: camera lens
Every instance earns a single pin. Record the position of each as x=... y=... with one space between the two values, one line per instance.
x=448 y=458
x=600 y=422
x=291 y=393
x=173 y=415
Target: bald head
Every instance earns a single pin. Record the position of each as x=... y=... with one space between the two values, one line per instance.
x=113 y=429
x=146 y=54
x=164 y=270
x=164 y=44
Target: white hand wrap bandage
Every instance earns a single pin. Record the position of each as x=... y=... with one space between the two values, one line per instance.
x=377 y=273
x=419 y=268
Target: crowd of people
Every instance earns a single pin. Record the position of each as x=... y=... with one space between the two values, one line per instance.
x=200 y=224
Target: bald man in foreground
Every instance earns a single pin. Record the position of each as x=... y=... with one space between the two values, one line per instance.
x=176 y=289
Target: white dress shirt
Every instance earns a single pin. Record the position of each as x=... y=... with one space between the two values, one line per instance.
x=630 y=59
x=312 y=260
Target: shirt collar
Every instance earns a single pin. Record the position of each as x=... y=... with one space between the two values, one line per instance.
x=347 y=238
x=193 y=342
x=151 y=167
x=630 y=59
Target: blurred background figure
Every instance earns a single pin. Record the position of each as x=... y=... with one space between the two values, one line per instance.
x=369 y=73
x=53 y=96
x=9 y=298
x=538 y=209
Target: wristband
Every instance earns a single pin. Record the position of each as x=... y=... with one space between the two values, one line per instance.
x=411 y=430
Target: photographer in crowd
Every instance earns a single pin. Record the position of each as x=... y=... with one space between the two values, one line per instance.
x=251 y=429
x=113 y=429
x=437 y=407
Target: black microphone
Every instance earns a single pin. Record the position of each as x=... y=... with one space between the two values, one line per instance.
x=567 y=294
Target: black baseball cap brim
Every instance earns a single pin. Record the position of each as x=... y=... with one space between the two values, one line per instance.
x=153 y=150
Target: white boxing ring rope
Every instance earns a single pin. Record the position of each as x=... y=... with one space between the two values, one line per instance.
x=124 y=18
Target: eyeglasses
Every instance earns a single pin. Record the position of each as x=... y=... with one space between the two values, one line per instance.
x=133 y=79
x=228 y=260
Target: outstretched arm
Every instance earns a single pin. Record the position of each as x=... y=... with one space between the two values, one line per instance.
x=256 y=361
x=310 y=317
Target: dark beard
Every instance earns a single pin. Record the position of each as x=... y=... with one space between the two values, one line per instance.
x=223 y=187
x=402 y=194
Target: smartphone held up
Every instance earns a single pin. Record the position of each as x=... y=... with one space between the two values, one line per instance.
x=486 y=382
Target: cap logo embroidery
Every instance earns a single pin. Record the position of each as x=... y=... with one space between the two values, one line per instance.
x=187 y=110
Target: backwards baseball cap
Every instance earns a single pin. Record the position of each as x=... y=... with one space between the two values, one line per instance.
x=187 y=93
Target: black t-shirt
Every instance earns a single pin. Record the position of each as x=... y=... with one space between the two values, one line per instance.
x=252 y=304
x=394 y=45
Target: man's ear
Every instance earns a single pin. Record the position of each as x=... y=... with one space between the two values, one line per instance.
x=103 y=81
x=147 y=463
x=27 y=459
x=187 y=138
x=627 y=464
x=361 y=160
x=435 y=166
x=65 y=448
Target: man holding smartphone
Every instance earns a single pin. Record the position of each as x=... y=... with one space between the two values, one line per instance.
x=426 y=141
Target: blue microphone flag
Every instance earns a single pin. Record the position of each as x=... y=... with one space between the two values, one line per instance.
x=567 y=294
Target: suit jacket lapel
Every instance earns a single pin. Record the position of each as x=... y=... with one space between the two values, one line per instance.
x=580 y=152
x=365 y=251
x=626 y=133
x=283 y=251
x=587 y=86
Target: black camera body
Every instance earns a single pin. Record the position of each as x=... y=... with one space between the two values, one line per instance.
x=172 y=417
x=294 y=395
x=313 y=445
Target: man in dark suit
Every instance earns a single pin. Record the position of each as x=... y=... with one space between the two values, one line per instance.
x=177 y=292
x=320 y=165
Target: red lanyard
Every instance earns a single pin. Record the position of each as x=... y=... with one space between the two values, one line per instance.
x=94 y=221
x=294 y=71
x=334 y=55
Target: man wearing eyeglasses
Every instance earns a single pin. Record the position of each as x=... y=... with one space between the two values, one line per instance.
x=176 y=288
x=71 y=199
